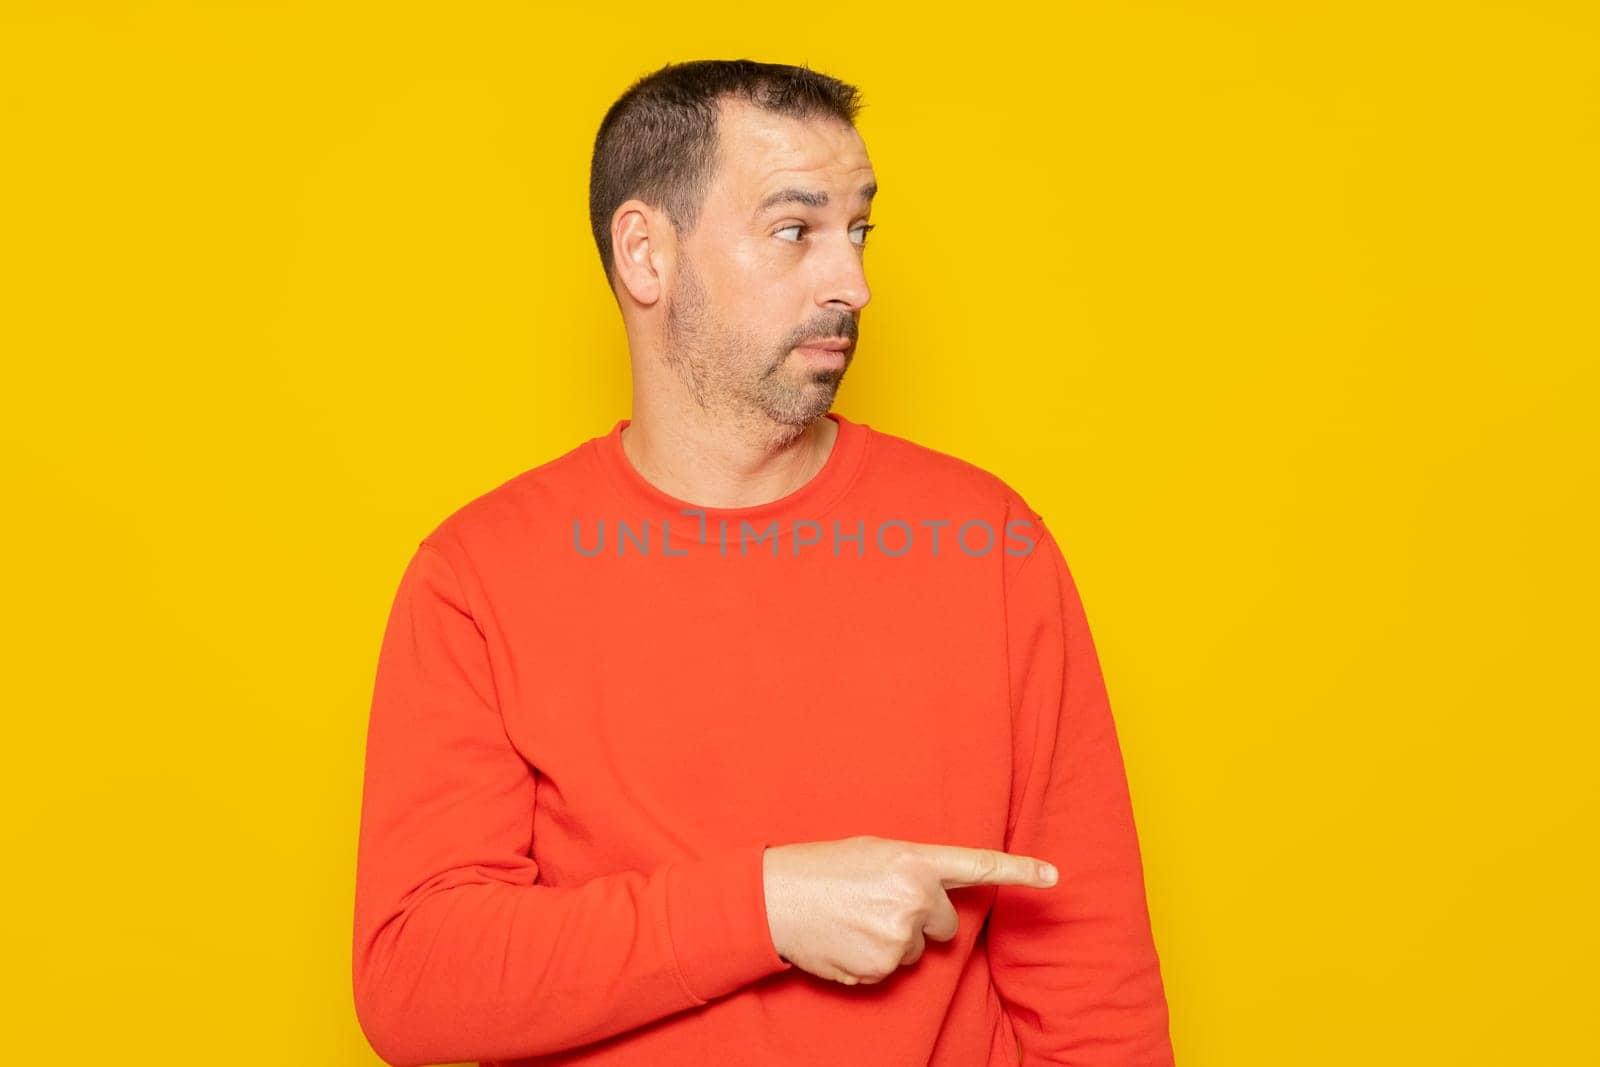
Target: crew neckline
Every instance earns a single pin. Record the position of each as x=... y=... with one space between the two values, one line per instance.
x=812 y=500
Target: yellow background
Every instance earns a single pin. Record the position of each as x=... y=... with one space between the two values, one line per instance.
x=1282 y=315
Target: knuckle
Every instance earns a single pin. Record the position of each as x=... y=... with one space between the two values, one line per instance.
x=902 y=858
x=988 y=864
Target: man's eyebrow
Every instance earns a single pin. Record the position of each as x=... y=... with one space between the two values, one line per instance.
x=808 y=197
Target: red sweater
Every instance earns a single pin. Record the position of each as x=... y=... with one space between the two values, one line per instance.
x=582 y=737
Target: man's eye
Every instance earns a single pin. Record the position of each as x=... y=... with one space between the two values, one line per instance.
x=863 y=230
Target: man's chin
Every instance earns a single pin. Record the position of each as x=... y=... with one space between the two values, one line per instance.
x=803 y=413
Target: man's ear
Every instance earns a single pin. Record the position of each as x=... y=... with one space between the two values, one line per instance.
x=641 y=244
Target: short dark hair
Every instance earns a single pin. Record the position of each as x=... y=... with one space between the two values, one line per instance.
x=658 y=142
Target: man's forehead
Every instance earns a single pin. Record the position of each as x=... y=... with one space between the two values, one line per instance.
x=767 y=156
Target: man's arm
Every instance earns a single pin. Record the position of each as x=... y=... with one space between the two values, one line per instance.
x=1075 y=965
x=458 y=954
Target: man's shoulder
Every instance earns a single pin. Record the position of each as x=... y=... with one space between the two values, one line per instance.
x=941 y=477
x=503 y=513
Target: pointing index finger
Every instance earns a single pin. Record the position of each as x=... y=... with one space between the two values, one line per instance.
x=958 y=866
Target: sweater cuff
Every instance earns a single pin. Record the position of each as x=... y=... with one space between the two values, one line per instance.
x=717 y=920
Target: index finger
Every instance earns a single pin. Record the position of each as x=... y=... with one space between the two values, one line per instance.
x=958 y=866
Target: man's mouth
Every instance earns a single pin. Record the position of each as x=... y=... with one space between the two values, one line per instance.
x=820 y=354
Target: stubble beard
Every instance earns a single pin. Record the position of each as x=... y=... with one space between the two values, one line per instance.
x=773 y=399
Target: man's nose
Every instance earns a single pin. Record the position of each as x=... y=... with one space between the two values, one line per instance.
x=845 y=279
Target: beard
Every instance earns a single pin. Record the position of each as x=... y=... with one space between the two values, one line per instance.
x=739 y=375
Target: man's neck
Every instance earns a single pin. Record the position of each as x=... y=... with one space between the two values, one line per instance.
x=723 y=469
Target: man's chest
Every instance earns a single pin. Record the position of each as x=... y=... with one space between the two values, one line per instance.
x=669 y=712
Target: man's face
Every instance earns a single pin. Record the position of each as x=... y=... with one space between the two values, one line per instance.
x=764 y=274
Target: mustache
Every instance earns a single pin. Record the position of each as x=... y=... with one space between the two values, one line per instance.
x=846 y=330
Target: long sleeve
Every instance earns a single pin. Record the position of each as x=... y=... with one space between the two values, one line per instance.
x=1075 y=965
x=458 y=953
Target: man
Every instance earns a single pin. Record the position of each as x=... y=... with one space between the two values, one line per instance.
x=739 y=734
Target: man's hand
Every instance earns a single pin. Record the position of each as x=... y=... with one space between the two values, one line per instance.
x=853 y=911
